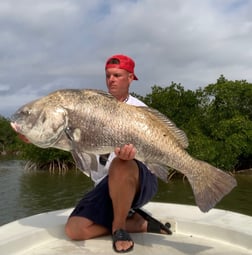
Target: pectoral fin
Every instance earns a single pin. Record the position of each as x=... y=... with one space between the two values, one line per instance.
x=85 y=162
x=161 y=171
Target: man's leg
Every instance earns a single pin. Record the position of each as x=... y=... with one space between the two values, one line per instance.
x=93 y=215
x=80 y=228
x=136 y=224
x=123 y=186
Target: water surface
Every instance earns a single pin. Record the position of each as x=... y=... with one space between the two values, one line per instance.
x=25 y=193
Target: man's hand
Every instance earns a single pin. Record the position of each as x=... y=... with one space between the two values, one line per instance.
x=126 y=152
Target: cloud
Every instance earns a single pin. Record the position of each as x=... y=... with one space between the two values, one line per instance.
x=52 y=44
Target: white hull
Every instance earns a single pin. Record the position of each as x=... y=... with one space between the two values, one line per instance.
x=217 y=232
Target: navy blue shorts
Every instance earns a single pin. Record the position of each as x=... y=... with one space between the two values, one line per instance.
x=96 y=205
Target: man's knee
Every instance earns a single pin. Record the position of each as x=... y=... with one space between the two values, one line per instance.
x=75 y=230
x=124 y=168
x=68 y=231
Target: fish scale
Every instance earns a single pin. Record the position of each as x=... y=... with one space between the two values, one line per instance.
x=89 y=122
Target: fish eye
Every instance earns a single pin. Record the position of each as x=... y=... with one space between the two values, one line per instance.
x=26 y=111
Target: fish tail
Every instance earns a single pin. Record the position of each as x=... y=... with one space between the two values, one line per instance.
x=210 y=185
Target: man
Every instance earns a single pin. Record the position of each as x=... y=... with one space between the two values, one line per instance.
x=122 y=183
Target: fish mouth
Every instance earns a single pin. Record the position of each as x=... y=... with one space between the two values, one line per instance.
x=17 y=129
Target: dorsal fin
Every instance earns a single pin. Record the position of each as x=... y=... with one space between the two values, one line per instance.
x=177 y=133
x=100 y=92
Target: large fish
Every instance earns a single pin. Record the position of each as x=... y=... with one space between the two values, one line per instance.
x=91 y=122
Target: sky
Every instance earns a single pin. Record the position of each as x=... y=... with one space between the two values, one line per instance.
x=48 y=45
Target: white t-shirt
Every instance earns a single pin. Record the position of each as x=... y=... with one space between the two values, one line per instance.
x=102 y=171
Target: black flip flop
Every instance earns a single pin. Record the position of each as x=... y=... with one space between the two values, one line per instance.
x=122 y=235
x=154 y=226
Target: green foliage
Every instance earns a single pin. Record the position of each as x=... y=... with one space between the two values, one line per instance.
x=229 y=98
x=44 y=158
x=228 y=119
x=216 y=119
x=175 y=102
x=7 y=136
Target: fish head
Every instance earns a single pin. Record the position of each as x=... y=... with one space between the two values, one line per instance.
x=40 y=123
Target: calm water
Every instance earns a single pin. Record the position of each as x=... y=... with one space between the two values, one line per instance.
x=26 y=193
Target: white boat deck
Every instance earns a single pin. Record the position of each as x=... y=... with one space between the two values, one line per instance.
x=217 y=232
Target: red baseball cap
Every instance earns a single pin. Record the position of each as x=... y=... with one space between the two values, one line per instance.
x=121 y=62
